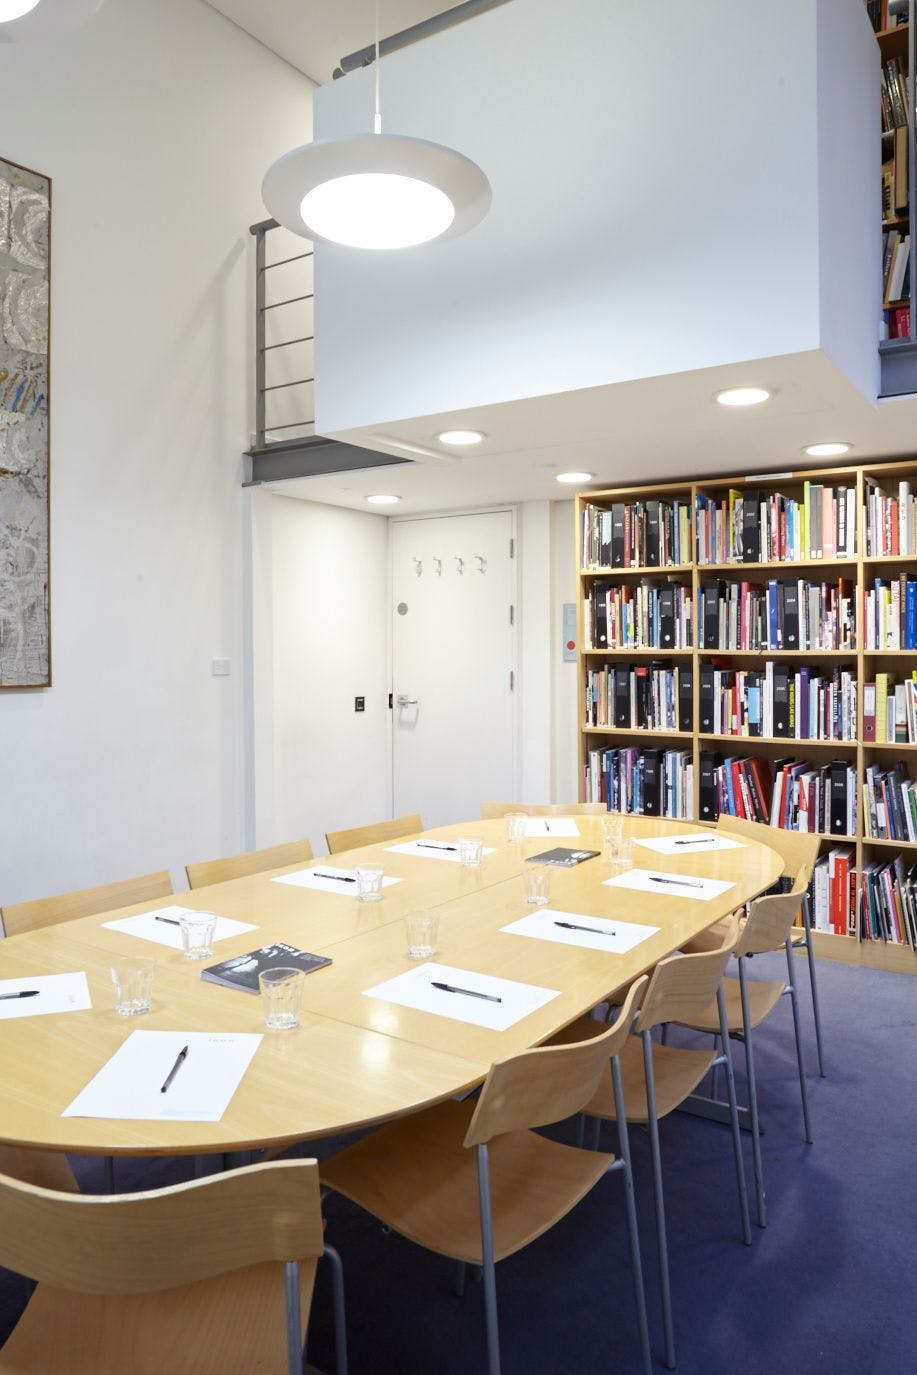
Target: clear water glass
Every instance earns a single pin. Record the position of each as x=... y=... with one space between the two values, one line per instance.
x=515 y=826
x=470 y=853
x=133 y=981
x=197 y=935
x=622 y=852
x=612 y=827
x=421 y=927
x=281 y=990
x=369 y=882
x=536 y=880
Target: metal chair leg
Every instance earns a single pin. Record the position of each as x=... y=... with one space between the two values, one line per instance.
x=487 y=1252
x=294 y=1318
x=340 y=1317
x=458 y=1284
x=661 y=1241
x=752 y=1097
x=597 y=1133
x=794 y=999
x=109 y=1174
x=581 y=1129
x=734 y=1118
x=810 y=959
x=635 y=1263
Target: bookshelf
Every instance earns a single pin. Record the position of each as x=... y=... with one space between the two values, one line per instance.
x=874 y=551
x=894 y=24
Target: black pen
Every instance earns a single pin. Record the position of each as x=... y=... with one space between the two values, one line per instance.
x=470 y=992
x=180 y=1059
x=26 y=993
x=701 y=840
x=425 y=845
x=338 y=878
x=572 y=926
x=682 y=882
x=547 y=828
x=171 y=920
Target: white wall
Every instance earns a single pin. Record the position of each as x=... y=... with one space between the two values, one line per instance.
x=155 y=123
x=655 y=209
x=565 y=707
x=329 y=612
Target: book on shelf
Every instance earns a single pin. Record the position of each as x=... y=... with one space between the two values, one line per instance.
x=792 y=794
x=651 y=696
x=889 y=804
x=894 y=93
x=834 y=892
x=641 y=782
x=242 y=971
x=780 y=614
x=888 y=903
x=768 y=527
x=898 y=269
x=891 y=520
x=890 y=605
x=637 y=534
x=779 y=701
x=899 y=322
x=648 y=615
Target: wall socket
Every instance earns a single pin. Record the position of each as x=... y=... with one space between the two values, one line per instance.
x=359 y=704
x=219 y=668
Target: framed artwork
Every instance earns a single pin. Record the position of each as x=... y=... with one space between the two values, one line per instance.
x=25 y=230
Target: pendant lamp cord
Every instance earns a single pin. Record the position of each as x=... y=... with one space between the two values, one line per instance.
x=377 y=120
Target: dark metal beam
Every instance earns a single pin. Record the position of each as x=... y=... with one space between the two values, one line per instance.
x=311 y=457
x=436 y=24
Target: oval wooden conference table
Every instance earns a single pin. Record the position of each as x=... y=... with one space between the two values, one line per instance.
x=354 y=1060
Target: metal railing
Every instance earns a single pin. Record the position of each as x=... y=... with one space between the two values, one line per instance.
x=266 y=431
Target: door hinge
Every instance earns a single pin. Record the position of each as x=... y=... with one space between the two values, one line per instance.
x=512 y=615
x=512 y=548
x=512 y=680
x=390 y=701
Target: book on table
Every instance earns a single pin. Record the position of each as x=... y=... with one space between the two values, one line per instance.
x=563 y=856
x=242 y=971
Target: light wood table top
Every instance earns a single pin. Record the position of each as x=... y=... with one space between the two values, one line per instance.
x=354 y=1060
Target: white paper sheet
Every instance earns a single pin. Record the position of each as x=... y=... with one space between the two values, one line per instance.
x=341 y=881
x=164 y=932
x=56 y=993
x=538 y=826
x=572 y=928
x=664 y=885
x=690 y=843
x=129 y=1086
x=415 y=989
x=434 y=849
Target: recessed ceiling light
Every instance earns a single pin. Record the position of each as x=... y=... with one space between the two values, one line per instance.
x=574 y=477
x=833 y=450
x=21 y=21
x=382 y=499
x=15 y=9
x=460 y=436
x=743 y=396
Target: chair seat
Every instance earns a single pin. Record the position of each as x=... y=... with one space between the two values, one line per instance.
x=763 y=997
x=711 y=939
x=677 y=1071
x=416 y=1176
x=234 y=1324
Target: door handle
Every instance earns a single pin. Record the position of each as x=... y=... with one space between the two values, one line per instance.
x=404 y=701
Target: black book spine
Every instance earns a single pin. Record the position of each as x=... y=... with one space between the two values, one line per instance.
x=652 y=783
x=667 y=615
x=790 y=615
x=600 y=614
x=707 y=792
x=622 y=698
x=686 y=698
x=781 y=700
x=617 y=535
x=653 y=535
x=706 y=697
x=711 y=629
x=751 y=527
x=838 y=806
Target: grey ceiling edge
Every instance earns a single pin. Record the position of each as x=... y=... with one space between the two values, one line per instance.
x=312 y=457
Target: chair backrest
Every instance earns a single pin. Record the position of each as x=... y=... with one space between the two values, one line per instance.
x=683 y=986
x=797 y=849
x=373 y=835
x=546 y=1085
x=140 y=1243
x=770 y=919
x=490 y=810
x=29 y=916
x=252 y=862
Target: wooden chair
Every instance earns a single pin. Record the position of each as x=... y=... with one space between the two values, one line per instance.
x=471 y=1180
x=30 y=916
x=375 y=834
x=658 y=1078
x=768 y=927
x=252 y=862
x=490 y=810
x=189 y=1278
x=798 y=850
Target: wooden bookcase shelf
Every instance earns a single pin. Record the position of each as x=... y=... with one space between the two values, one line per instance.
x=859 y=571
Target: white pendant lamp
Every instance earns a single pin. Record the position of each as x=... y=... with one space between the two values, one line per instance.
x=376 y=191
x=28 y=21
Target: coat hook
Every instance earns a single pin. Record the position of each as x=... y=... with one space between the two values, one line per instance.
x=482 y=562
x=418 y=566
x=438 y=567
x=460 y=562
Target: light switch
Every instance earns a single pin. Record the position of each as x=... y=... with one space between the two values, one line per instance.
x=219 y=668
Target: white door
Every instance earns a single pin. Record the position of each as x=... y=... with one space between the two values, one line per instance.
x=452 y=660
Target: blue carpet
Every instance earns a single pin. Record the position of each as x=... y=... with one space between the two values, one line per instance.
x=828 y=1286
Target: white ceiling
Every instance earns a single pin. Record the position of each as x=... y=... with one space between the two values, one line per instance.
x=313 y=35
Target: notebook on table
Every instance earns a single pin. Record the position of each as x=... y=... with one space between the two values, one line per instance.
x=242 y=971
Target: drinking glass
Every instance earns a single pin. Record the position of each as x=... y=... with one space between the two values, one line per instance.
x=470 y=852
x=197 y=935
x=612 y=827
x=281 y=989
x=536 y=879
x=133 y=981
x=515 y=826
x=622 y=852
x=369 y=882
x=421 y=927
